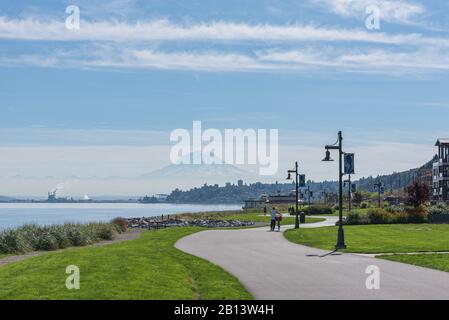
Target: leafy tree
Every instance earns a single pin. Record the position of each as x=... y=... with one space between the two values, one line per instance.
x=418 y=193
x=357 y=197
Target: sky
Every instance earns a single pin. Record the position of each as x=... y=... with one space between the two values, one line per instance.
x=92 y=109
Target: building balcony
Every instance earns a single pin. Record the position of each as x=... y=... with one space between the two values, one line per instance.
x=440 y=178
x=441 y=162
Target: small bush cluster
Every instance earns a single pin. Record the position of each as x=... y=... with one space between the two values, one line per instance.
x=390 y=216
x=318 y=210
x=379 y=216
x=355 y=218
x=364 y=205
x=33 y=237
x=417 y=215
x=440 y=208
x=121 y=224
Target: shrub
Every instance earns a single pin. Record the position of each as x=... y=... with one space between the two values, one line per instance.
x=357 y=197
x=318 y=210
x=417 y=215
x=61 y=236
x=364 y=205
x=394 y=215
x=439 y=208
x=13 y=241
x=77 y=237
x=395 y=209
x=33 y=237
x=121 y=224
x=379 y=216
x=106 y=231
x=400 y=217
x=355 y=218
x=47 y=242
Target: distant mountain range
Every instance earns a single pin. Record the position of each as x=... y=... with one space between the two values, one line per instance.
x=5 y=199
x=187 y=175
x=187 y=170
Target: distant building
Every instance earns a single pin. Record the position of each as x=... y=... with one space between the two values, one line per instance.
x=240 y=183
x=441 y=171
x=271 y=200
x=254 y=204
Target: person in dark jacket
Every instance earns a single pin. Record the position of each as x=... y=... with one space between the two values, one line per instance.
x=273 y=218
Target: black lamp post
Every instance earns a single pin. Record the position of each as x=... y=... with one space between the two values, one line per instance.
x=289 y=177
x=338 y=146
x=309 y=195
x=378 y=186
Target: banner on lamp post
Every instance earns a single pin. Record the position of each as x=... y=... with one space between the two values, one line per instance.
x=349 y=163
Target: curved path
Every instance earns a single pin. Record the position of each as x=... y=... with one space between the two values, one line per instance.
x=270 y=267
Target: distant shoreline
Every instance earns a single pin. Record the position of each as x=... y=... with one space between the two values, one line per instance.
x=17 y=214
x=120 y=201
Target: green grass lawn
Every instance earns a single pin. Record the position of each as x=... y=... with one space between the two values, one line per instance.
x=378 y=238
x=244 y=216
x=433 y=261
x=146 y=268
x=259 y=217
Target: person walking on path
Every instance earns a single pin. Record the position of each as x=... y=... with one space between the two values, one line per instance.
x=273 y=219
x=279 y=219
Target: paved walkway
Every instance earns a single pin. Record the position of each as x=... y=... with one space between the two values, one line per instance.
x=270 y=267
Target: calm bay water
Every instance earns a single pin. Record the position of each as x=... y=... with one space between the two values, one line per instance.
x=17 y=214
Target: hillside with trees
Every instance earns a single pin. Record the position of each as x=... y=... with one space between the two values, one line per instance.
x=232 y=193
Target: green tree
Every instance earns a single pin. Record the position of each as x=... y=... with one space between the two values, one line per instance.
x=357 y=197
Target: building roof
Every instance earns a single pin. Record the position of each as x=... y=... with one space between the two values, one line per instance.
x=442 y=141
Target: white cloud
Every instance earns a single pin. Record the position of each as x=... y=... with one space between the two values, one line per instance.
x=376 y=60
x=164 y=30
x=108 y=44
x=208 y=60
x=366 y=60
x=396 y=11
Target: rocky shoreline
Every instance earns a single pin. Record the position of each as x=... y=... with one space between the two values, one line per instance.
x=157 y=223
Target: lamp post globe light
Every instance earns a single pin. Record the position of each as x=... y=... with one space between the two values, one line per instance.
x=338 y=146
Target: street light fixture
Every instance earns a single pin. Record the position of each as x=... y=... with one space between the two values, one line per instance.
x=328 y=156
x=379 y=187
x=338 y=146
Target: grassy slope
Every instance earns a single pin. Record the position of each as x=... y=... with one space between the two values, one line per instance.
x=147 y=268
x=378 y=238
x=259 y=217
x=434 y=261
x=244 y=216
